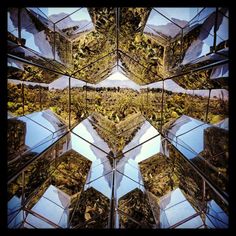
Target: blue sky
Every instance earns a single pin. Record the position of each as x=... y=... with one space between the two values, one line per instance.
x=82 y=14
x=178 y=13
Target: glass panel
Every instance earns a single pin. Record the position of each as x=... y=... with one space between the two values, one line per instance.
x=97 y=156
x=222 y=27
x=197 y=145
x=37 y=95
x=145 y=150
x=201 y=80
x=13 y=65
x=185 y=178
x=63 y=50
x=36 y=30
x=48 y=120
x=79 y=102
x=174 y=208
x=199 y=36
x=31 y=128
x=216 y=156
x=216 y=217
x=53 y=206
x=12 y=22
x=200 y=18
x=56 y=13
x=92 y=210
x=97 y=71
x=218 y=109
x=220 y=71
x=130 y=169
x=32 y=74
x=162 y=26
x=125 y=185
x=33 y=96
x=74 y=24
x=102 y=184
x=14 y=98
x=103 y=19
x=71 y=173
x=40 y=38
x=195 y=222
x=33 y=57
x=38 y=172
x=135 y=211
x=89 y=49
x=120 y=126
x=14 y=203
x=152 y=107
x=171 y=185
x=98 y=170
x=210 y=171
x=19 y=160
x=192 y=103
x=142 y=59
x=24 y=137
x=86 y=131
x=180 y=15
x=146 y=132
x=132 y=20
x=180 y=134
x=64 y=185
x=217 y=211
x=158 y=176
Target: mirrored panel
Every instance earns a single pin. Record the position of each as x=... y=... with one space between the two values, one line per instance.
x=142 y=59
x=27 y=72
x=162 y=26
x=12 y=22
x=118 y=129
x=14 y=203
x=132 y=20
x=181 y=14
x=50 y=211
x=104 y=20
x=178 y=104
x=73 y=24
x=130 y=169
x=210 y=158
x=199 y=35
x=59 y=181
x=177 y=212
x=29 y=145
x=135 y=211
x=206 y=79
x=102 y=184
x=145 y=133
x=145 y=150
x=86 y=131
x=98 y=69
x=92 y=210
x=125 y=185
x=118 y=117
x=222 y=33
x=218 y=109
x=34 y=59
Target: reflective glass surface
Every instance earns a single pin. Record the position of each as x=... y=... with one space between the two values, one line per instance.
x=146 y=134
x=174 y=208
x=162 y=25
x=53 y=205
x=118 y=117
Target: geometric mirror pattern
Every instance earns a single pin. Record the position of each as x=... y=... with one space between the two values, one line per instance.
x=118 y=117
